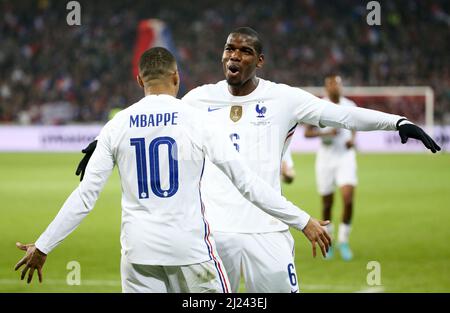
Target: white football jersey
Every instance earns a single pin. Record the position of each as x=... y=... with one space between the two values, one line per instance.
x=260 y=125
x=159 y=145
x=336 y=144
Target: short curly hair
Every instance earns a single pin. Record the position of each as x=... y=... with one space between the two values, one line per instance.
x=248 y=31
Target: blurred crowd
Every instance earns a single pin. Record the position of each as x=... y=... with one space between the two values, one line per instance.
x=53 y=73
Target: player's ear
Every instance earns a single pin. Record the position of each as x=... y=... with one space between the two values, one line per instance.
x=176 y=78
x=260 y=62
x=176 y=82
x=139 y=81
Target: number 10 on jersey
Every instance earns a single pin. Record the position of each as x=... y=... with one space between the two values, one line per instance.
x=153 y=153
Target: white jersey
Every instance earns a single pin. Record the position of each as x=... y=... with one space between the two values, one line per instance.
x=159 y=145
x=260 y=125
x=335 y=145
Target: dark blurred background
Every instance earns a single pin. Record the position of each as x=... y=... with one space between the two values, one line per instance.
x=85 y=71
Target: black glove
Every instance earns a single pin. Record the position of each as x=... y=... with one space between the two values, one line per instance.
x=85 y=160
x=413 y=131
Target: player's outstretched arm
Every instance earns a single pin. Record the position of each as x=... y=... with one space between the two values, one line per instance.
x=365 y=120
x=88 y=151
x=222 y=153
x=76 y=207
x=261 y=194
x=33 y=260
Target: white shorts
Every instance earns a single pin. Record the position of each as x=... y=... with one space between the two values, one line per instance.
x=265 y=259
x=335 y=170
x=200 y=278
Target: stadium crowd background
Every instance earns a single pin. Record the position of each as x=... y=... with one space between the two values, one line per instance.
x=52 y=73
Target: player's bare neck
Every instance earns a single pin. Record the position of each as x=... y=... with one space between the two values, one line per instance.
x=335 y=99
x=162 y=89
x=245 y=89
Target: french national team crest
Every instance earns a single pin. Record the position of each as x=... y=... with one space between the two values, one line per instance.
x=236 y=113
x=261 y=111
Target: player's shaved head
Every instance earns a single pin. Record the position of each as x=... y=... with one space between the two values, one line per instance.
x=250 y=32
x=156 y=64
x=333 y=76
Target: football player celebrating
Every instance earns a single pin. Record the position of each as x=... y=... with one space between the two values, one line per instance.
x=260 y=117
x=159 y=145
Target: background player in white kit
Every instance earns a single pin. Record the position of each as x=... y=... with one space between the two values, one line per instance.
x=336 y=166
x=159 y=145
x=287 y=167
x=260 y=117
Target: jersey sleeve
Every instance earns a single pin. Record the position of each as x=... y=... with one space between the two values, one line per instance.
x=355 y=118
x=315 y=111
x=83 y=198
x=219 y=149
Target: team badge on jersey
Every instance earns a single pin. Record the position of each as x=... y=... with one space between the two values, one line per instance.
x=236 y=113
x=260 y=110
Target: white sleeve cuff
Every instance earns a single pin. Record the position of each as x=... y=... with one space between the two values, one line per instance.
x=38 y=244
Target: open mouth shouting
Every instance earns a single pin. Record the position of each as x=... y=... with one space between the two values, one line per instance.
x=233 y=70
